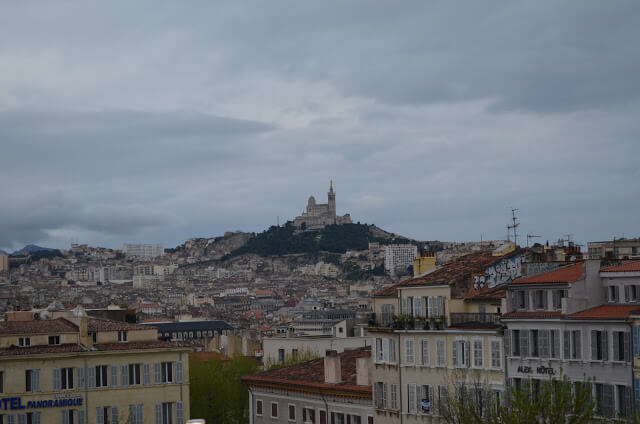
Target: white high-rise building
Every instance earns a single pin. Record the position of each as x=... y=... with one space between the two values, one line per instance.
x=143 y=250
x=399 y=257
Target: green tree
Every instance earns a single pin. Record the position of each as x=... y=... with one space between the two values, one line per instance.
x=217 y=392
x=555 y=400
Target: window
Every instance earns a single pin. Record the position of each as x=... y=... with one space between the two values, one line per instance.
x=534 y=343
x=520 y=299
x=441 y=356
x=613 y=293
x=394 y=396
x=496 y=356
x=623 y=393
x=292 y=412
x=379 y=351
x=337 y=418
x=460 y=354
x=29 y=418
x=166 y=372
x=411 y=398
x=280 y=355
x=69 y=416
x=605 y=400
x=392 y=351
x=134 y=374
x=24 y=341
x=425 y=352
x=32 y=380
x=167 y=413
x=424 y=395
x=259 y=407
x=274 y=409
x=136 y=415
x=558 y=295
x=541 y=299
x=294 y=353
x=308 y=415
x=478 y=353
x=101 y=375
x=66 y=381
x=54 y=340
x=599 y=345
x=354 y=419
x=94 y=337
x=621 y=348
x=323 y=417
x=515 y=342
x=122 y=336
x=409 y=352
x=554 y=344
x=576 y=347
x=381 y=395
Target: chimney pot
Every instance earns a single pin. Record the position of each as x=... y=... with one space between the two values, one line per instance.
x=332 y=367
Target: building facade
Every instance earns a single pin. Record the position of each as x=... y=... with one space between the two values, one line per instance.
x=398 y=257
x=4 y=262
x=319 y=215
x=79 y=370
x=335 y=389
x=622 y=248
x=143 y=250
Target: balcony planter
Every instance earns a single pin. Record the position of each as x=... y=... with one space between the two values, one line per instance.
x=398 y=322
x=439 y=324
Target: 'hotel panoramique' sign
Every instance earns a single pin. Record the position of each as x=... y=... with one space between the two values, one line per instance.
x=15 y=403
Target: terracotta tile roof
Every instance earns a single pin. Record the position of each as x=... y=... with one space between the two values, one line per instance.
x=151 y=344
x=97 y=325
x=606 y=312
x=41 y=349
x=564 y=275
x=533 y=314
x=311 y=373
x=494 y=293
x=59 y=325
x=625 y=267
x=458 y=272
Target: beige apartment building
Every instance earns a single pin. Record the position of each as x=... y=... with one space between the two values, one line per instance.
x=72 y=369
x=4 y=262
x=445 y=333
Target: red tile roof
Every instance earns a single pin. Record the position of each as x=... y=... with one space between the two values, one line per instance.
x=494 y=293
x=151 y=344
x=310 y=374
x=458 y=273
x=533 y=314
x=97 y=325
x=564 y=275
x=606 y=312
x=625 y=267
x=59 y=325
x=41 y=349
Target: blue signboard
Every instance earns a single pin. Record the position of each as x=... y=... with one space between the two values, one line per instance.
x=15 y=403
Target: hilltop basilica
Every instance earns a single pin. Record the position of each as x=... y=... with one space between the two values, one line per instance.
x=319 y=215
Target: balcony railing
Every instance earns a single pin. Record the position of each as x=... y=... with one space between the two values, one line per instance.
x=474 y=319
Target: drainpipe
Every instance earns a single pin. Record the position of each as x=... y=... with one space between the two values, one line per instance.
x=251 y=405
x=326 y=407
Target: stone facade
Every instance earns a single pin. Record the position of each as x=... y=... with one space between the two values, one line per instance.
x=319 y=215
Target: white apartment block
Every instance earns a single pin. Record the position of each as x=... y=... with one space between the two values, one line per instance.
x=399 y=257
x=143 y=250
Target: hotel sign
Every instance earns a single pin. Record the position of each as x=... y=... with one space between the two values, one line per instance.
x=15 y=403
x=538 y=370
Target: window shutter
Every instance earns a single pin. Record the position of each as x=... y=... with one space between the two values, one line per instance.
x=115 y=416
x=125 y=375
x=514 y=300
x=430 y=399
x=385 y=350
x=22 y=419
x=566 y=345
x=411 y=398
x=81 y=379
x=417 y=305
x=158 y=413
x=425 y=352
x=507 y=342
x=36 y=380
x=384 y=395
x=133 y=418
x=627 y=293
x=430 y=307
x=627 y=348
x=636 y=340
x=556 y=343
x=468 y=353
x=140 y=413
x=545 y=299
x=147 y=374
x=65 y=417
x=579 y=344
x=100 y=415
x=594 y=345
x=11 y=419
x=419 y=396
x=526 y=299
x=114 y=376
x=636 y=383
x=92 y=377
x=392 y=351
x=57 y=379
x=627 y=400
x=454 y=353
x=524 y=343
x=405 y=305
x=36 y=418
x=616 y=291
x=157 y=374
x=605 y=346
x=180 y=413
x=179 y=372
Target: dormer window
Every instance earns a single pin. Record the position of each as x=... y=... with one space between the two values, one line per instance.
x=541 y=299
x=54 y=340
x=24 y=341
x=122 y=336
x=520 y=299
x=613 y=293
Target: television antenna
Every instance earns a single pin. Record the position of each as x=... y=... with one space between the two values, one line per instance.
x=530 y=236
x=515 y=225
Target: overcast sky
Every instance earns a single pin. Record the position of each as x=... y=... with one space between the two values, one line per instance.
x=161 y=121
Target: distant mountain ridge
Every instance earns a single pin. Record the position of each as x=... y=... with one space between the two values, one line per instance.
x=30 y=249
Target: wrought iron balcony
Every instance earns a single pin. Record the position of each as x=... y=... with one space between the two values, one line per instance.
x=474 y=319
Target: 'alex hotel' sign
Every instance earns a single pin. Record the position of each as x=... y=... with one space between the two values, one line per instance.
x=538 y=370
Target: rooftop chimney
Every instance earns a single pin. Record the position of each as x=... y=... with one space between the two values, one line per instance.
x=332 y=369
x=362 y=371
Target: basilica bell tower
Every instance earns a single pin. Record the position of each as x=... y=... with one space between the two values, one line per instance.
x=332 y=201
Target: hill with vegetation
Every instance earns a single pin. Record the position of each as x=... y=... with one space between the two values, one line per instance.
x=333 y=238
